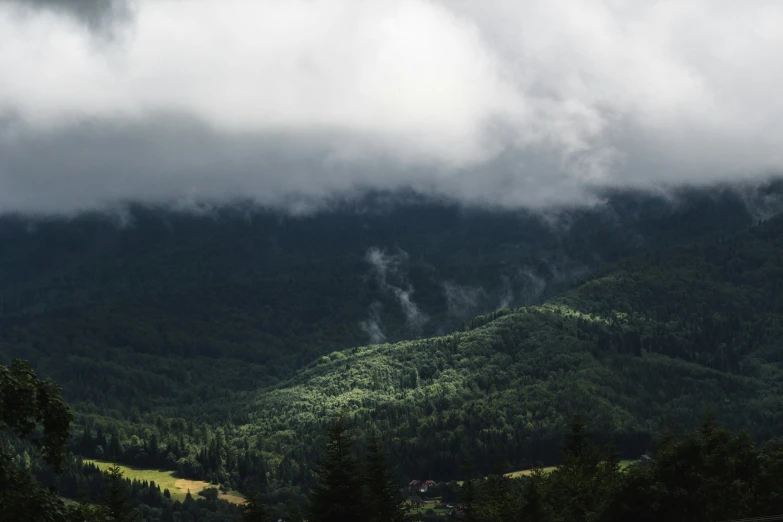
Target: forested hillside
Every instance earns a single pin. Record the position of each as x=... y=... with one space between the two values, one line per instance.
x=665 y=336
x=232 y=379
x=176 y=313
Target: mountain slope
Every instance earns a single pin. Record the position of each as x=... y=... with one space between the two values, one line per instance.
x=669 y=334
x=181 y=314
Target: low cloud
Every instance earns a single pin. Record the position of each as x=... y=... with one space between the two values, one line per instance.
x=292 y=102
x=390 y=271
x=507 y=294
x=373 y=326
x=463 y=300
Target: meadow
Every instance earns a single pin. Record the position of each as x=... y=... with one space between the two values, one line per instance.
x=514 y=474
x=178 y=487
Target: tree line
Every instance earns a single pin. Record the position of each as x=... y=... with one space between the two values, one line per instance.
x=709 y=474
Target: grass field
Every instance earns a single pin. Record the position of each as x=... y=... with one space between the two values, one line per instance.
x=429 y=505
x=178 y=487
x=524 y=472
x=514 y=474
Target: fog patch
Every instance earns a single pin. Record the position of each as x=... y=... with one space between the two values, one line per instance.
x=463 y=300
x=390 y=272
x=373 y=326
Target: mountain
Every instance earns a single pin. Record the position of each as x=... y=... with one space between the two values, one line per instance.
x=218 y=344
x=158 y=310
x=665 y=336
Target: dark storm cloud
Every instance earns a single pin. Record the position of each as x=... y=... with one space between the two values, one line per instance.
x=292 y=102
x=97 y=15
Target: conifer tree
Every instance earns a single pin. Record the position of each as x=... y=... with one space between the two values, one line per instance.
x=381 y=494
x=117 y=500
x=255 y=511
x=338 y=495
x=467 y=493
x=293 y=512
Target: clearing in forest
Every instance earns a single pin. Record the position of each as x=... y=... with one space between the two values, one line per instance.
x=514 y=474
x=178 y=487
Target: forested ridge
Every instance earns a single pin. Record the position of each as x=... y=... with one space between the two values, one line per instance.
x=205 y=381
x=179 y=314
x=670 y=334
x=709 y=474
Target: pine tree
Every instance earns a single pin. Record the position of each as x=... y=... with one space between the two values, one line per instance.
x=467 y=493
x=117 y=499
x=293 y=512
x=255 y=511
x=381 y=494
x=338 y=495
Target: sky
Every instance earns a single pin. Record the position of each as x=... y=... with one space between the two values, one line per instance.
x=291 y=103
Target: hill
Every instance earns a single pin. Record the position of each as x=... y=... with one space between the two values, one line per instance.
x=181 y=313
x=666 y=335
x=226 y=368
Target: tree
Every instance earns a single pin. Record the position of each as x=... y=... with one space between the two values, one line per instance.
x=338 y=495
x=28 y=404
x=32 y=409
x=254 y=510
x=579 y=486
x=293 y=512
x=467 y=494
x=117 y=500
x=532 y=503
x=381 y=492
x=496 y=503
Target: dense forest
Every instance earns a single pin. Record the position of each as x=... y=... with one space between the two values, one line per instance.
x=709 y=474
x=224 y=346
x=179 y=314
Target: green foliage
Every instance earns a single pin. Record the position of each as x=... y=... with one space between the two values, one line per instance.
x=118 y=504
x=665 y=335
x=338 y=494
x=202 y=345
x=255 y=511
x=30 y=408
x=28 y=403
x=180 y=315
x=381 y=487
x=709 y=474
x=22 y=498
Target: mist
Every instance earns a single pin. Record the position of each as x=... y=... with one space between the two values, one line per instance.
x=390 y=273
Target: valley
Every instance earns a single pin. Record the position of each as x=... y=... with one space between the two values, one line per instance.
x=200 y=380
x=418 y=261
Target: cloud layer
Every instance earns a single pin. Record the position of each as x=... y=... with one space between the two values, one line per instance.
x=513 y=103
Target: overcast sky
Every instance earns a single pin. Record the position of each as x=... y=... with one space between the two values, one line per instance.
x=287 y=102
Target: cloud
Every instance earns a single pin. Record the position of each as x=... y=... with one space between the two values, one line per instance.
x=373 y=326
x=390 y=272
x=507 y=295
x=463 y=300
x=99 y=17
x=292 y=102
x=532 y=285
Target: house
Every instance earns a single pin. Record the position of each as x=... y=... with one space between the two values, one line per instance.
x=645 y=459
x=418 y=486
x=426 y=485
x=457 y=513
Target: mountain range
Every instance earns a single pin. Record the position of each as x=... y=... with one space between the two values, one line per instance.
x=219 y=340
